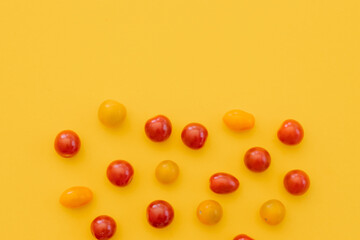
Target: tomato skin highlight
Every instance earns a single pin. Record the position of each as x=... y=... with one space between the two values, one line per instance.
x=67 y=143
x=243 y=237
x=120 y=173
x=75 y=197
x=291 y=132
x=159 y=214
x=103 y=227
x=296 y=182
x=158 y=128
x=257 y=159
x=194 y=135
x=209 y=212
x=223 y=183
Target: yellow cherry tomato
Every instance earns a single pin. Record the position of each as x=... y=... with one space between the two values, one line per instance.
x=76 y=197
x=238 y=120
x=272 y=211
x=167 y=171
x=111 y=113
x=209 y=212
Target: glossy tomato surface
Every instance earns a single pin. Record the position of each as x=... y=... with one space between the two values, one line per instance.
x=159 y=214
x=67 y=143
x=194 y=135
x=257 y=159
x=76 y=197
x=291 y=132
x=167 y=172
x=238 y=120
x=103 y=227
x=223 y=183
x=158 y=128
x=120 y=173
x=272 y=212
x=111 y=113
x=209 y=212
x=297 y=182
x=243 y=237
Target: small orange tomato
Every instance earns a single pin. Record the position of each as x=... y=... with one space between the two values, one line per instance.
x=238 y=120
x=111 y=113
x=167 y=172
x=272 y=211
x=76 y=197
x=209 y=212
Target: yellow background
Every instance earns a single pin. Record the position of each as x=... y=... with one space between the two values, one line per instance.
x=191 y=60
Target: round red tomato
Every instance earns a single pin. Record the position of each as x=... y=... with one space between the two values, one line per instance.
x=120 y=173
x=257 y=159
x=194 y=135
x=223 y=183
x=67 y=143
x=158 y=128
x=296 y=182
x=290 y=132
x=243 y=237
x=103 y=227
x=160 y=214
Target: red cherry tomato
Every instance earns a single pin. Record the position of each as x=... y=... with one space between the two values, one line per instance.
x=159 y=214
x=257 y=159
x=103 y=227
x=194 y=135
x=120 y=173
x=67 y=143
x=290 y=132
x=243 y=237
x=158 y=128
x=223 y=183
x=296 y=182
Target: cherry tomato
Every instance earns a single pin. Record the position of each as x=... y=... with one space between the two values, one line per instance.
x=76 y=197
x=194 y=135
x=209 y=212
x=243 y=237
x=257 y=159
x=167 y=171
x=160 y=214
x=290 y=132
x=158 y=128
x=296 y=182
x=103 y=227
x=272 y=211
x=120 y=173
x=223 y=183
x=111 y=113
x=238 y=120
x=67 y=143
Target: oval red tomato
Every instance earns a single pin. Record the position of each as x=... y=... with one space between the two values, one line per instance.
x=103 y=227
x=296 y=182
x=223 y=183
x=243 y=237
x=194 y=135
x=257 y=159
x=160 y=214
x=291 y=132
x=67 y=143
x=158 y=128
x=120 y=173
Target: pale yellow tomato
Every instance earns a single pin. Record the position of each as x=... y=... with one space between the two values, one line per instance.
x=272 y=211
x=238 y=120
x=111 y=113
x=209 y=212
x=76 y=197
x=167 y=171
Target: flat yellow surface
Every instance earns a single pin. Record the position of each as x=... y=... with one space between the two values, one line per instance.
x=191 y=60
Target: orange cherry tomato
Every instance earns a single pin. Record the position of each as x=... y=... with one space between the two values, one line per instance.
x=209 y=212
x=111 y=113
x=167 y=172
x=272 y=211
x=238 y=120
x=76 y=197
